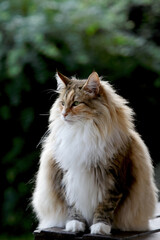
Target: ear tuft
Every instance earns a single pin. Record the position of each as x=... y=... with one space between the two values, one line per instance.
x=92 y=85
x=62 y=81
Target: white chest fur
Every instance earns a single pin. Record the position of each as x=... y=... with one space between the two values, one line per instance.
x=82 y=191
x=76 y=149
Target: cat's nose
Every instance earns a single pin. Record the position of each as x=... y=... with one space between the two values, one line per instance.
x=65 y=113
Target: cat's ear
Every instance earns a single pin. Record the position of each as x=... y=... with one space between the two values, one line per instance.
x=92 y=85
x=62 y=81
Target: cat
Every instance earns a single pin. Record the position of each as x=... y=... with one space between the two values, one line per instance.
x=95 y=170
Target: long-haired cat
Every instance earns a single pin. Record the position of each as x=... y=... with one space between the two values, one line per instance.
x=95 y=171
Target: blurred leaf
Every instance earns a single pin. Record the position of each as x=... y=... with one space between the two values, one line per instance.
x=5 y=112
x=22 y=188
x=157 y=83
x=15 y=150
x=10 y=197
x=11 y=175
x=49 y=50
x=92 y=29
x=14 y=61
x=27 y=117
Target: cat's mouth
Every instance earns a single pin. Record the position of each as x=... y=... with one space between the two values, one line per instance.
x=67 y=119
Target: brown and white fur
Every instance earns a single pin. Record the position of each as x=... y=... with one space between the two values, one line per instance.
x=95 y=170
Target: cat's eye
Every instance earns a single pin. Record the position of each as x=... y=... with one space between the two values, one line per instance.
x=62 y=103
x=76 y=103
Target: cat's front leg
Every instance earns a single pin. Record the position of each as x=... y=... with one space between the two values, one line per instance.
x=75 y=223
x=103 y=215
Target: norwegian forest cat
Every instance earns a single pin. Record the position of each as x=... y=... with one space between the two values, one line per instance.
x=95 y=171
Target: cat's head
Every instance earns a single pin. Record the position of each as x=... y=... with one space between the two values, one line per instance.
x=92 y=99
x=79 y=99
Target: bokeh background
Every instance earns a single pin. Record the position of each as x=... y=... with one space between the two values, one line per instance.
x=119 y=39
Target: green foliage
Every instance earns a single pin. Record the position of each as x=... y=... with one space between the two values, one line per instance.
x=36 y=37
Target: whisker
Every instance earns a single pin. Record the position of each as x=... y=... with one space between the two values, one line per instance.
x=43 y=138
x=44 y=114
x=48 y=91
x=52 y=92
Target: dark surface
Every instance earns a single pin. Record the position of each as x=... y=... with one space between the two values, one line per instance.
x=61 y=234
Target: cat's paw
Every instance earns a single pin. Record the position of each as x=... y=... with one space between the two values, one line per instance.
x=100 y=228
x=75 y=226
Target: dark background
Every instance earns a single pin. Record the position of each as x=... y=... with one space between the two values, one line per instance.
x=118 y=39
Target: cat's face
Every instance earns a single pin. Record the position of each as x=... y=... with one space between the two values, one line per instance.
x=78 y=98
